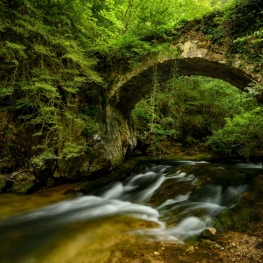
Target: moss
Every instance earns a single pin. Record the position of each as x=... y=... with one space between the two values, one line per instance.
x=243 y=214
x=225 y=220
x=22 y=187
x=258 y=185
x=23 y=181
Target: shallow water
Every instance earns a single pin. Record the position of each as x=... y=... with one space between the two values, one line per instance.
x=160 y=201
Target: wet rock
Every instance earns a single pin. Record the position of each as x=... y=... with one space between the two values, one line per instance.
x=249 y=196
x=225 y=219
x=243 y=214
x=22 y=188
x=23 y=181
x=190 y=249
x=258 y=184
x=98 y=181
x=208 y=232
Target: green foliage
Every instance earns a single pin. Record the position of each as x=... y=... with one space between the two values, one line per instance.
x=188 y=110
x=47 y=67
x=49 y=53
x=44 y=67
x=240 y=24
x=241 y=135
x=143 y=17
x=244 y=22
x=133 y=29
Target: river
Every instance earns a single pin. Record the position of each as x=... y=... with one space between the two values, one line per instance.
x=160 y=201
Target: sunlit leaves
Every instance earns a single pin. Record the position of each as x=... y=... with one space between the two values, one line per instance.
x=5 y=91
x=241 y=135
x=190 y=109
x=45 y=62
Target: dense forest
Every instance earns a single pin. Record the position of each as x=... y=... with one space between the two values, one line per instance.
x=201 y=112
x=57 y=56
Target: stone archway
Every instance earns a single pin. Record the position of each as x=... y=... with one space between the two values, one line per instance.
x=135 y=88
x=191 y=54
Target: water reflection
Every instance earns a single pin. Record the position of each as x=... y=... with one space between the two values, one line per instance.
x=177 y=203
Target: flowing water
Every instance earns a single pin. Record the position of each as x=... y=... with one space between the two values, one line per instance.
x=164 y=201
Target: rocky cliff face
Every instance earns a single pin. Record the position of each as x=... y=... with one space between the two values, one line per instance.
x=106 y=151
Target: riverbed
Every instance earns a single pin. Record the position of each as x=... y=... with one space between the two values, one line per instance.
x=163 y=211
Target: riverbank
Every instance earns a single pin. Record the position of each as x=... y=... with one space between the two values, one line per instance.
x=13 y=204
x=112 y=240
x=232 y=246
x=26 y=182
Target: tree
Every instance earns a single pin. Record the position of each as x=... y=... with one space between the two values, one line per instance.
x=44 y=66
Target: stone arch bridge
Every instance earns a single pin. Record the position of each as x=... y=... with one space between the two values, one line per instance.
x=191 y=54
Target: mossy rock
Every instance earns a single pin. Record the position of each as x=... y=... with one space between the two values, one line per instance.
x=170 y=190
x=99 y=180
x=2 y=183
x=22 y=187
x=214 y=174
x=258 y=185
x=23 y=181
x=242 y=215
x=205 y=172
x=237 y=218
x=225 y=220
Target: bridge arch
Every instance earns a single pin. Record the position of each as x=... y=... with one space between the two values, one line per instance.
x=193 y=53
x=194 y=56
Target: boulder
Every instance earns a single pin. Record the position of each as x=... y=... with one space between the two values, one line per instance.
x=23 y=181
x=208 y=232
